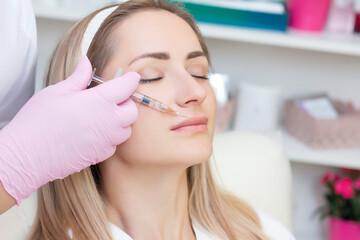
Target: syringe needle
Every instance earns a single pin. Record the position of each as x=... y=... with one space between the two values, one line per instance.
x=173 y=112
x=141 y=98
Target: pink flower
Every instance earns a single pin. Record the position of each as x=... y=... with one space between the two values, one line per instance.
x=344 y=187
x=357 y=183
x=329 y=177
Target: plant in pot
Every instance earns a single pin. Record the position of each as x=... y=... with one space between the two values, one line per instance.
x=342 y=204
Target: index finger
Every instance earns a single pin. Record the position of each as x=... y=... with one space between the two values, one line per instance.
x=119 y=89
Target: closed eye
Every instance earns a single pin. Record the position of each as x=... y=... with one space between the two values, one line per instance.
x=150 y=80
x=201 y=77
x=159 y=78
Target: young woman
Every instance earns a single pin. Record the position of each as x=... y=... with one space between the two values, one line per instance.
x=158 y=184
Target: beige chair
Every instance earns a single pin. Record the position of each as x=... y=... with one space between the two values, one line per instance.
x=252 y=166
x=15 y=224
x=255 y=168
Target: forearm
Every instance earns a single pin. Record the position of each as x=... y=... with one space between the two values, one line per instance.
x=6 y=201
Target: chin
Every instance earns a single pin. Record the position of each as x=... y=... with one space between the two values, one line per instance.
x=197 y=156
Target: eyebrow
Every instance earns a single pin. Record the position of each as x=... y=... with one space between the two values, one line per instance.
x=166 y=56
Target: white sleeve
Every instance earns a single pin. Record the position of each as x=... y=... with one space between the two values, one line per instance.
x=18 y=56
x=273 y=228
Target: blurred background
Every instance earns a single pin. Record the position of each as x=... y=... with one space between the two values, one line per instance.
x=288 y=69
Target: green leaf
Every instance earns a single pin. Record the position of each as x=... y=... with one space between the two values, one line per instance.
x=356 y=209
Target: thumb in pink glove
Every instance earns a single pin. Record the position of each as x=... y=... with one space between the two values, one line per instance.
x=65 y=128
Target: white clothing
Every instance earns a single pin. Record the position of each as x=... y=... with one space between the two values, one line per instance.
x=118 y=234
x=272 y=228
x=18 y=56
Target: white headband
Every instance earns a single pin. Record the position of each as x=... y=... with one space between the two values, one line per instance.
x=93 y=27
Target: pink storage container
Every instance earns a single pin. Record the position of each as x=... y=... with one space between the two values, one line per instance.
x=341 y=229
x=308 y=15
x=342 y=132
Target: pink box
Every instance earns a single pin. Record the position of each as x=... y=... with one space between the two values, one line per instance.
x=341 y=229
x=309 y=15
x=342 y=132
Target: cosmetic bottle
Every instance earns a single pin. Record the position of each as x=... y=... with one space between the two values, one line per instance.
x=341 y=16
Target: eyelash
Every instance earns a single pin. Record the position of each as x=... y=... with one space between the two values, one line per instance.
x=159 y=78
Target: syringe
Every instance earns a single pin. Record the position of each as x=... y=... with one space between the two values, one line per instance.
x=141 y=98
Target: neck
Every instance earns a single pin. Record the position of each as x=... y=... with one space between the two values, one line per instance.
x=147 y=202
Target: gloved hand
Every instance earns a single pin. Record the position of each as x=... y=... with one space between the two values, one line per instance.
x=64 y=128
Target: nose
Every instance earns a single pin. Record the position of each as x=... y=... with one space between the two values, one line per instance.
x=190 y=90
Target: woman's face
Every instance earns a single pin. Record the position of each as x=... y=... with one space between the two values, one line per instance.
x=165 y=51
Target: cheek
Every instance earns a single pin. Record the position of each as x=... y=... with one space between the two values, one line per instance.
x=148 y=135
x=210 y=108
x=149 y=132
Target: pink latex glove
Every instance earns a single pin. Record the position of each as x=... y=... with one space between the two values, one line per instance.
x=64 y=128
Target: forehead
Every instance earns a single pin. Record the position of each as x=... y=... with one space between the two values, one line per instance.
x=156 y=30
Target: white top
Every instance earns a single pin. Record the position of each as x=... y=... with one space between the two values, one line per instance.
x=272 y=228
x=118 y=234
x=18 y=56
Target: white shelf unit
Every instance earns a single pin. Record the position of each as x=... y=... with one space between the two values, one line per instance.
x=323 y=42
x=52 y=10
x=299 y=152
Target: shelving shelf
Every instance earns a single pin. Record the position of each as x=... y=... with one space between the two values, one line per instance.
x=50 y=10
x=299 y=152
x=323 y=42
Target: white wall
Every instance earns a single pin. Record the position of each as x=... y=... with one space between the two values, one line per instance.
x=49 y=34
x=297 y=71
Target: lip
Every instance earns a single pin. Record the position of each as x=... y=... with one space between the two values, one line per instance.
x=192 y=124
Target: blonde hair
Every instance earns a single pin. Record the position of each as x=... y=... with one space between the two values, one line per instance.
x=75 y=202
